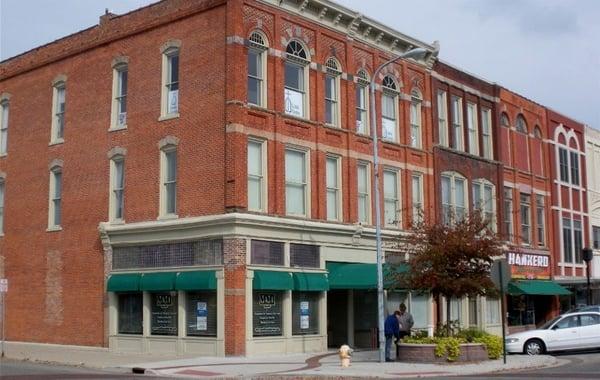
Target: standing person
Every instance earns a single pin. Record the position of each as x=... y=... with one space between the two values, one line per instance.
x=392 y=330
x=406 y=321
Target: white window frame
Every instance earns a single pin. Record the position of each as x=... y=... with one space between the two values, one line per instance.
x=57 y=130
x=390 y=91
x=165 y=151
x=166 y=83
x=301 y=64
x=335 y=189
x=458 y=132
x=473 y=128
x=118 y=119
x=416 y=133
x=540 y=219
x=453 y=176
x=442 y=113
x=333 y=73
x=564 y=165
x=259 y=45
x=486 y=131
x=2 y=197
x=115 y=187
x=362 y=90
x=508 y=216
x=56 y=176
x=392 y=199
x=418 y=206
x=262 y=177
x=478 y=187
x=4 y=115
x=364 y=196
x=305 y=184
x=525 y=222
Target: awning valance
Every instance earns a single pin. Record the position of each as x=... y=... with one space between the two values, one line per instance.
x=536 y=287
x=272 y=280
x=360 y=275
x=196 y=280
x=316 y=282
x=159 y=281
x=124 y=282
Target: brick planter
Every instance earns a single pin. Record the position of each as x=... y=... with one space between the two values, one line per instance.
x=425 y=353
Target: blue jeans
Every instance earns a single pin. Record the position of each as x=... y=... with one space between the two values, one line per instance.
x=388 y=346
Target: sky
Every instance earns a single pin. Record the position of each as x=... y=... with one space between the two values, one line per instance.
x=545 y=50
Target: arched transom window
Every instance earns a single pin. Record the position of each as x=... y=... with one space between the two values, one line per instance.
x=332 y=92
x=257 y=69
x=362 y=102
x=296 y=80
x=389 y=109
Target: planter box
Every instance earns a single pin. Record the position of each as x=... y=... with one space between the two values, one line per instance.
x=425 y=353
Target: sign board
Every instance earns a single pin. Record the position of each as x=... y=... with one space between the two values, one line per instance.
x=201 y=316
x=267 y=314
x=294 y=102
x=3 y=285
x=163 y=314
x=304 y=315
x=500 y=274
x=529 y=265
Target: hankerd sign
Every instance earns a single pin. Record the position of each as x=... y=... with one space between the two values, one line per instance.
x=526 y=265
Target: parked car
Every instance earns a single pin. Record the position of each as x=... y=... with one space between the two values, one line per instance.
x=594 y=308
x=570 y=331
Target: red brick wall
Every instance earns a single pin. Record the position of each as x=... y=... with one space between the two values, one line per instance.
x=234 y=252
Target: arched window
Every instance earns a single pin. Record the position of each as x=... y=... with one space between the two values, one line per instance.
x=296 y=80
x=415 y=118
x=170 y=79
x=484 y=200
x=537 y=132
x=521 y=124
x=55 y=195
x=4 y=109
x=332 y=92
x=362 y=102
x=389 y=109
x=257 y=69
x=116 y=200
x=504 y=120
x=454 y=197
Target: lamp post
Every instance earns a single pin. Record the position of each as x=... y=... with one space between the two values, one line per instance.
x=588 y=254
x=417 y=53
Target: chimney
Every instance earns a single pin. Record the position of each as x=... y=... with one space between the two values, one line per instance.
x=106 y=17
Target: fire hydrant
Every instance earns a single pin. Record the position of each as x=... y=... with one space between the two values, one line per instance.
x=345 y=353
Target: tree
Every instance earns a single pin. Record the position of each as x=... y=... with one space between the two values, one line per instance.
x=449 y=259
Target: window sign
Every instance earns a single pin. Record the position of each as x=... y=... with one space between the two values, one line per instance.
x=293 y=102
x=173 y=101
x=201 y=315
x=164 y=314
x=389 y=129
x=267 y=319
x=304 y=315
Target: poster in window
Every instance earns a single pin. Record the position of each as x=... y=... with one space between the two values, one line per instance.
x=304 y=315
x=201 y=316
x=173 y=101
x=293 y=102
x=267 y=314
x=164 y=314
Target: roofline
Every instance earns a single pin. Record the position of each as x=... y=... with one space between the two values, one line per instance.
x=455 y=67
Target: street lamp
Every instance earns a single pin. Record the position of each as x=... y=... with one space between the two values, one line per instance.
x=418 y=53
x=588 y=254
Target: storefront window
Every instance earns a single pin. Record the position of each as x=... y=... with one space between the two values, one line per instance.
x=130 y=313
x=305 y=313
x=201 y=314
x=493 y=311
x=419 y=309
x=163 y=313
x=455 y=309
x=266 y=313
x=473 y=312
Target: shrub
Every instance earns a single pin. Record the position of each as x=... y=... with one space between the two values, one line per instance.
x=450 y=346
x=493 y=344
x=471 y=334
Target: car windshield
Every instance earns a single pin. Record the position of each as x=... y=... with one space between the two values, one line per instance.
x=547 y=325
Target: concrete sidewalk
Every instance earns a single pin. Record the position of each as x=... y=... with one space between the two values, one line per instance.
x=364 y=364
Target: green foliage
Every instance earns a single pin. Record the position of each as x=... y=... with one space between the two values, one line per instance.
x=471 y=335
x=493 y=344
x=449 y=347
x=442 y=329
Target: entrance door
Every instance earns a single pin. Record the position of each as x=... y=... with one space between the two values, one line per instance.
x=337 y=318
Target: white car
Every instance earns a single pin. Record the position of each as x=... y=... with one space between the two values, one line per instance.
x=571 y=331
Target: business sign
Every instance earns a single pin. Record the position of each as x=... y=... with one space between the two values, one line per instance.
x=163 y=314
x=304 y=315
x=201 y=316
x=527 y=265
x=267 y=314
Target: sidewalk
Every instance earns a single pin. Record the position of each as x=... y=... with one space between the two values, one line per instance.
x=364 y=364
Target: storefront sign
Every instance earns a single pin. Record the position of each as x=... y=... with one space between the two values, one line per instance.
x=164 y=314
x=267 y=314
x=304 y=315
x=530 y=266
x=201 y=316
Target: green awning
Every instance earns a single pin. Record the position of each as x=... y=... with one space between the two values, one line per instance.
x=536 y=287
x=125 y=282
x=359 y=275
x=272 y=280
x=158 y=281
x=196 y=280
x=316 y=282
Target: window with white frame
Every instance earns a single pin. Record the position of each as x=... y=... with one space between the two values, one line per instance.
x=391 y=198
x=170 y=87
x=55 y=207
x=540 y=220
x=473 y=312
x=577 y=241
x=486 y=131
x=492 y=311
x=119 y=104
x=168 y=199
x=563 y=159
x=567 y=239
x=442 y=113
x=296 y=80
x=4 y=109
x=296 y=183
x=58 y=112
x=117 y=187
x=574 y=168
x=484 y=200
x=472 y=127
x=333 y=188
x=364 y=193
x=332 y=92
x=389 y=109
x=257 y=69
x=417 y=197
x=362 y=101
x=415 y=119
x=596 y=237
x=508 y=213
x=525 y=201
x=453 y=197
x=2 y=191
x=457 y=123
x=257 y=191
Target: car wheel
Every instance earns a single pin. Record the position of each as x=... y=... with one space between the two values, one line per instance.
x=534 y=347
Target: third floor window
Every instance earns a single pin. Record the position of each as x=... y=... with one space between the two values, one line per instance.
x=296 y=80
x=257 y=64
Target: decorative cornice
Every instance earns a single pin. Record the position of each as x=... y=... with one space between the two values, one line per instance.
x=115 y=152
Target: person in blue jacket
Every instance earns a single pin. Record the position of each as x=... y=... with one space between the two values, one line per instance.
x=391 y=330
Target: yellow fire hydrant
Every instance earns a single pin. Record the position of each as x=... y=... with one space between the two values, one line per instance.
x=345 y=353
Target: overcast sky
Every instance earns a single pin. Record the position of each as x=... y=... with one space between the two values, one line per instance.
x=546 y=50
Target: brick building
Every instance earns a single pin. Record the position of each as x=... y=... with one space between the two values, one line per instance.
x=201 y=181
x=592 y=151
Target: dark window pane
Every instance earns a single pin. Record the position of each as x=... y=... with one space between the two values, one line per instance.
x=174 y=68
x=163 y=313
x=254 y=63
x=303 y=255
x=266 y=252
x=293 y=77
x=305 y=313
x=130 y=313
x=202 y=313
x=253 y=91
x=266 y=314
